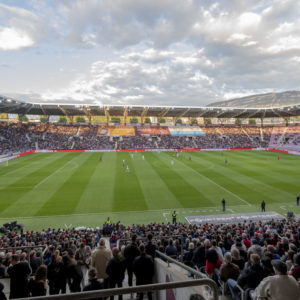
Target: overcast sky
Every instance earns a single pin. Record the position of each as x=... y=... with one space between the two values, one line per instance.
x=148 y=52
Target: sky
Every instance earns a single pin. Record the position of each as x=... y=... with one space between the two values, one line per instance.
x=147 y=52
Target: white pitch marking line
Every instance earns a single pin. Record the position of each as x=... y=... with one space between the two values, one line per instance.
x=107 y=212
x=164 y=214
x=45 y=179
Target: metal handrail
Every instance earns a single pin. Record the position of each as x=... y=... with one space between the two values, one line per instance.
x=187 y=268
x=135 y=289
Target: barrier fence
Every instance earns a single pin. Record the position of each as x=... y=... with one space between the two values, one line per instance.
x=148 y=150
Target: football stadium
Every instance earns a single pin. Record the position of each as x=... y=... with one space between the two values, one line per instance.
x=150 y=150
x=163 y=179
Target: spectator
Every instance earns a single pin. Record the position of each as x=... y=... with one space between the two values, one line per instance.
x=93 y=283
x=19 y=273
x=130 y=253
x=83 y=258
x=278 y=287
x=150 y=247
x=171 y=250
x=74 y=273
x=143 y=268
x=100 y=259
x=57 y=275
x=212 y=261
x=248 y=279
x=116 y=270
x=38 y=286
x=295 y=270
x=236 y=259
x=229 y=269
x=188 y=256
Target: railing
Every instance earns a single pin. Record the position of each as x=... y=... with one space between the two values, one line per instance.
x=169 y=260
x=135 y=289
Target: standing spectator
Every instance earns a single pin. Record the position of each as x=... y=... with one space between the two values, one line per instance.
x=94 y=283
x=237 y=259
x=83 y=257
x=278 y=287
x=74 y=274
x=19 y=273
x=38 y=286
x=143 y=268
x=131 y=252
x=199 y=256
x=150 y=247
x=57 y=275
x=116 y=270
x=35 y=261
x=100 y=259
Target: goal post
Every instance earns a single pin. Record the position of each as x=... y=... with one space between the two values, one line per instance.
x=3 y=163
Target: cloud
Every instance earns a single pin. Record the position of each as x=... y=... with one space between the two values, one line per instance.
x=11 y=39
x=20 y=28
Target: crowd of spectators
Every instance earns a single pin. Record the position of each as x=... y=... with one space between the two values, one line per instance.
x=258 y=256
x=21 y=137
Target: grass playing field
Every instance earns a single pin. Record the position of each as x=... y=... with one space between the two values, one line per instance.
x=59 y=189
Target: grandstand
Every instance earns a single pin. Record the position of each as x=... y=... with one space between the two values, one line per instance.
x=74 y=193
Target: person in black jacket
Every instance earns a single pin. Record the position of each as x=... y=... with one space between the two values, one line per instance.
x=38 y=286
x=94 y=283
x=143 y=268
x=116 y=270
x=199 y=256
x=74 y=274
x=19 y=273
x=249 y=278
x=130 y=253
x=150 y=247
x=57 y=276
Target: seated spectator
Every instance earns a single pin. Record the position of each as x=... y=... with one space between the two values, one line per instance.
x=278 y=287
x=212 y=261
x=188 y=256
x=171 y=250
x=229 y=269
x=237 y=259
x=295 y=270
x=38 y=286
x=248 y=279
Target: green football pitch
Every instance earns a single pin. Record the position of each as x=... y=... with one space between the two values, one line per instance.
x=77 y=189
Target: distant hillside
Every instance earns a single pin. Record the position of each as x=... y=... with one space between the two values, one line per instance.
x=262 y=100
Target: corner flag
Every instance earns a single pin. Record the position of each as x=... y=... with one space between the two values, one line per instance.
x=278 y=157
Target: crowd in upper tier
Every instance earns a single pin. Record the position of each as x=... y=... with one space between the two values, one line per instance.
x=262 y=257
x=21 y=137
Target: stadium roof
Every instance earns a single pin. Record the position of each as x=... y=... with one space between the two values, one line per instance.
x=11 y=106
